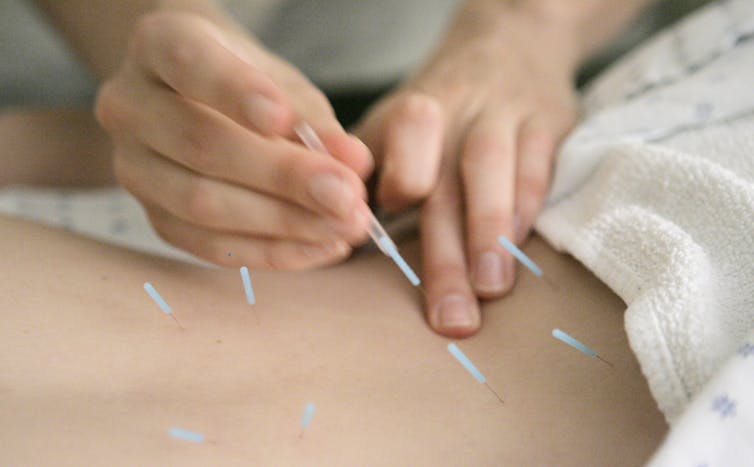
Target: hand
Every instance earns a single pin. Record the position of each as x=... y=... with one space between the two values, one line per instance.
x=202 y=117
x=473 y=135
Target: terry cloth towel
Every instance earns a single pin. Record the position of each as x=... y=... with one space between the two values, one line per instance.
x=654 y=192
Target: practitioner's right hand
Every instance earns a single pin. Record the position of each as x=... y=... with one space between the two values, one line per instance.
x=202 y=120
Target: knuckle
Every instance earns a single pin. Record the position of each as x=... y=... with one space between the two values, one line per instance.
x=419 y=107
x=449 y=270
x=489 y=223
x=199 y=137
x=179 y=61
x=532 y=189
x=442 y=201
x=472 y=161
x=483 y=148
x=274 y=258
x=450 y=82
x=287 y=224
x=455 y=90
x=285 y=175
x=201 y=202
x=158 y=43
x=235 y=77
x=409 y=187
x=540 y=141
x=145 y=31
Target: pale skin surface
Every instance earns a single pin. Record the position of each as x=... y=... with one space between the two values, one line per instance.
x=93 y=373
x=202 y=119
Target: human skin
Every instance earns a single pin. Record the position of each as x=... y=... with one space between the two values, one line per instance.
x=93 y=373
x=202 y=120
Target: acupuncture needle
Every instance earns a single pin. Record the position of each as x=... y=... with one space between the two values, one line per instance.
x=306 y=419
x=309 y=137
x=578 y=345
x=471 y=368
x=186 y=435
x=525 y=260
x=246 y=280
x=161 y=302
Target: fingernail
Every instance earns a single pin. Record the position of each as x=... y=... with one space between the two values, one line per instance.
x=488 y=276
x=454 y=312
x=261 y=112
x=332 y=193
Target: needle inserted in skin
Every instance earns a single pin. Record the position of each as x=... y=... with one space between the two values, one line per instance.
x=392 y=251
x=525 y=260
x=306 y=419
x=247 y=285
x=471 y=368
x=161 y=302
x=247 y=288
x=520 y=255
x=186 y=435
x=577 y=344
x=309 y=137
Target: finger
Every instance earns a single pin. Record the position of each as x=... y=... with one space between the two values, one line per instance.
x=343 y=146
x=452 y=308
x=206 y=142
x=370 y=128
x=254 y=252
x=413 y=135
x=488 y=169
x=537 y=143
x=189 y=54
x=220 y=206
x=350 y=150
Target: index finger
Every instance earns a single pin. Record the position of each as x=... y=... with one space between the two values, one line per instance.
x=452 y=308
x=190 y=55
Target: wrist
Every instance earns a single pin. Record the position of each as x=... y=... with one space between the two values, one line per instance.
x=522 y=24
x=589 y=25
x=570 y=30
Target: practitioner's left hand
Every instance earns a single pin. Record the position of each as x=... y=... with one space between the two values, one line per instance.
x=473 y=136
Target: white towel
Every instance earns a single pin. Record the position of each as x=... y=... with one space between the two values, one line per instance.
x=654 y=192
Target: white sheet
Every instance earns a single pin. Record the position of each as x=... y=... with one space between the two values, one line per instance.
x=654 y=192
